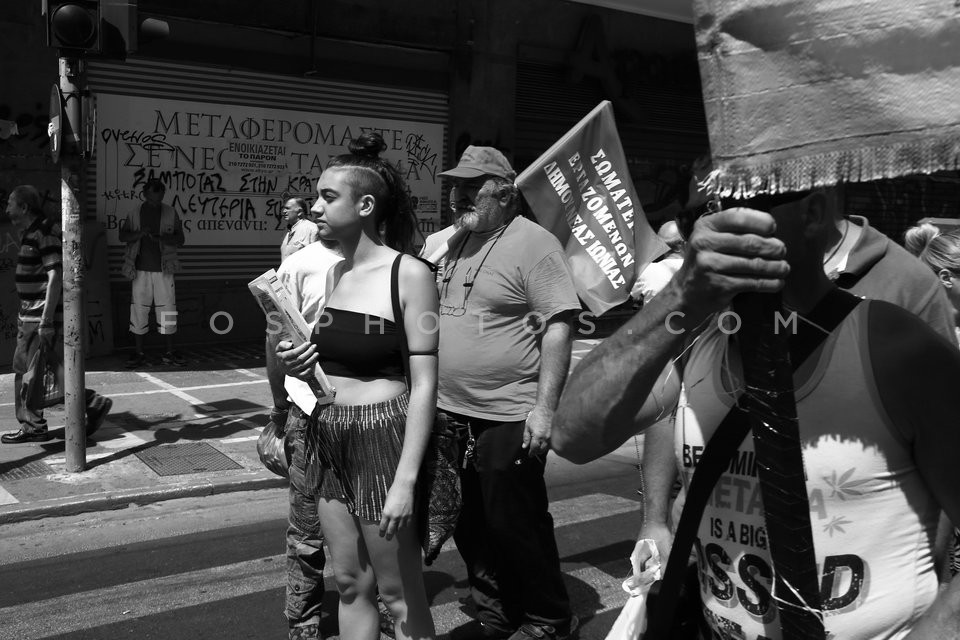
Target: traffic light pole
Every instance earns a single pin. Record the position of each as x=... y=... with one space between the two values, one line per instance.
x=74 y=343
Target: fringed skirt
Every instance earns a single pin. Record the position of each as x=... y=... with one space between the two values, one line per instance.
x=352 y=453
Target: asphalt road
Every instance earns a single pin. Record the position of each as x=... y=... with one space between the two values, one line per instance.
x=213 y=567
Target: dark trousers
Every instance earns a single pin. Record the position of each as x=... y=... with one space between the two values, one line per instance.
x=505 y=531
x=305 y=559
x=28 y=343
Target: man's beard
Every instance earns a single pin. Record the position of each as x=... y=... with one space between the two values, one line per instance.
x=468 y=219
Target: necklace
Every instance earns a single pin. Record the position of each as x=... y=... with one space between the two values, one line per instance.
x=843 y=236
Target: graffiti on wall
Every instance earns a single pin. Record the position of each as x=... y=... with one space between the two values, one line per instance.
x=228 y=169
x=97 y=308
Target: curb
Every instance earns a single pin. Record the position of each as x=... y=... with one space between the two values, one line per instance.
x=124 y=498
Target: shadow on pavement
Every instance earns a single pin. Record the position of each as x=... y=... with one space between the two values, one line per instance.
x=198 y=358
x=189 y=432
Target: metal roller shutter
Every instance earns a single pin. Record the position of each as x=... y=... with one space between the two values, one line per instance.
x=156 y=79
x=674 y=131
x=893 y=206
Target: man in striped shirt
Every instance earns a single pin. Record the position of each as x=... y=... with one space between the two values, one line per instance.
x=39 y=278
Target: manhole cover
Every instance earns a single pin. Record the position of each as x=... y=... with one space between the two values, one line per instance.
x=16 y=471
x=189 y=457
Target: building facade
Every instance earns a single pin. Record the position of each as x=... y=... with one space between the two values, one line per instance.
x=245 y=102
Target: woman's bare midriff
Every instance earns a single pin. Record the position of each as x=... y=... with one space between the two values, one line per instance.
x=353 y=391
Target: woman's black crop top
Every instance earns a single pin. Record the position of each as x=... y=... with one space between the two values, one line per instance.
x=357 y=345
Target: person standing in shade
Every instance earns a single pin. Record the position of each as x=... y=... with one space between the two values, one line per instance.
x=301 y=230
x=506 y=299
x=153 y=234
x=39 y=279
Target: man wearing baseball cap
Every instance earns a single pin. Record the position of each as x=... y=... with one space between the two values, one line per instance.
x=506 y=300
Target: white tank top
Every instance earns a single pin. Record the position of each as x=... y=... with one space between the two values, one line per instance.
x=873 y=518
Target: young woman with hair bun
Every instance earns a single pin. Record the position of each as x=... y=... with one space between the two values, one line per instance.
x=917 y=237
x=941 y=252
x=364 y=451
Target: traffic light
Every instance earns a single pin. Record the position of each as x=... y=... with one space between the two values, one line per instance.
x=100 y=28
x=73 y=26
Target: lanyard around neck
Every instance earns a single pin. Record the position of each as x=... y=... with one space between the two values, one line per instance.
x=448 y=271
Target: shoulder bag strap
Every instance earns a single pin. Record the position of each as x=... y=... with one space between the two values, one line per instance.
x=664 y=594
x=398 y=316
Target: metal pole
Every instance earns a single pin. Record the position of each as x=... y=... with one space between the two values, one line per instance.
x=74 y=344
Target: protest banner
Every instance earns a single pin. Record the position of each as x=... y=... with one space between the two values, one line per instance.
x=800 y=95
x=807 y=94
x=581 y=191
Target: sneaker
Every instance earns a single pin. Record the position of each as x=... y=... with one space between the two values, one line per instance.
x=386 y=620
x=97 y=413
x=173 y=358
x=137 y=359
x=306 y=632
x=25 y=436
x=545 y=631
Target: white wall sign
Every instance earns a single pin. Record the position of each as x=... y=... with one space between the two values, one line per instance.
x=229 y=168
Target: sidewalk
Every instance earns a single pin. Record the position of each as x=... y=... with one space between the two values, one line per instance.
x=173 y=432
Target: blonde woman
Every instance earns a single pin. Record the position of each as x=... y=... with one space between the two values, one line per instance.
x=941 y=252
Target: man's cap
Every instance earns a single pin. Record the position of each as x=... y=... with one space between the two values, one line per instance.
x=481 y=161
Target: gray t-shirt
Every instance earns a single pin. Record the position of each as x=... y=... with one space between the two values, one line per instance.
x=491 y=317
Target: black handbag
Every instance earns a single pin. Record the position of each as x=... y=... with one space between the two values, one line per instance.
x=438 y=498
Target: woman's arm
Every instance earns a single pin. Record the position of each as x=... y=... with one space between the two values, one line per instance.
x=418 y=298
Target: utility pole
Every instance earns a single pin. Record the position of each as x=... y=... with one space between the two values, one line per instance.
x=78 y=29
x=72 y=85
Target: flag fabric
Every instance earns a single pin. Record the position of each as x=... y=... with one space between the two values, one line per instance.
x=806 y=93
x=581 y=191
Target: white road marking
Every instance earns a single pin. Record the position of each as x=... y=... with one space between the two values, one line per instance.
x=240 y=439
x=170 y=390
x=197 y=404
x=245 y=372
x=100 y=607
x=89 y=456
x=6 y=497
x=126 y=440
x=581 y=509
